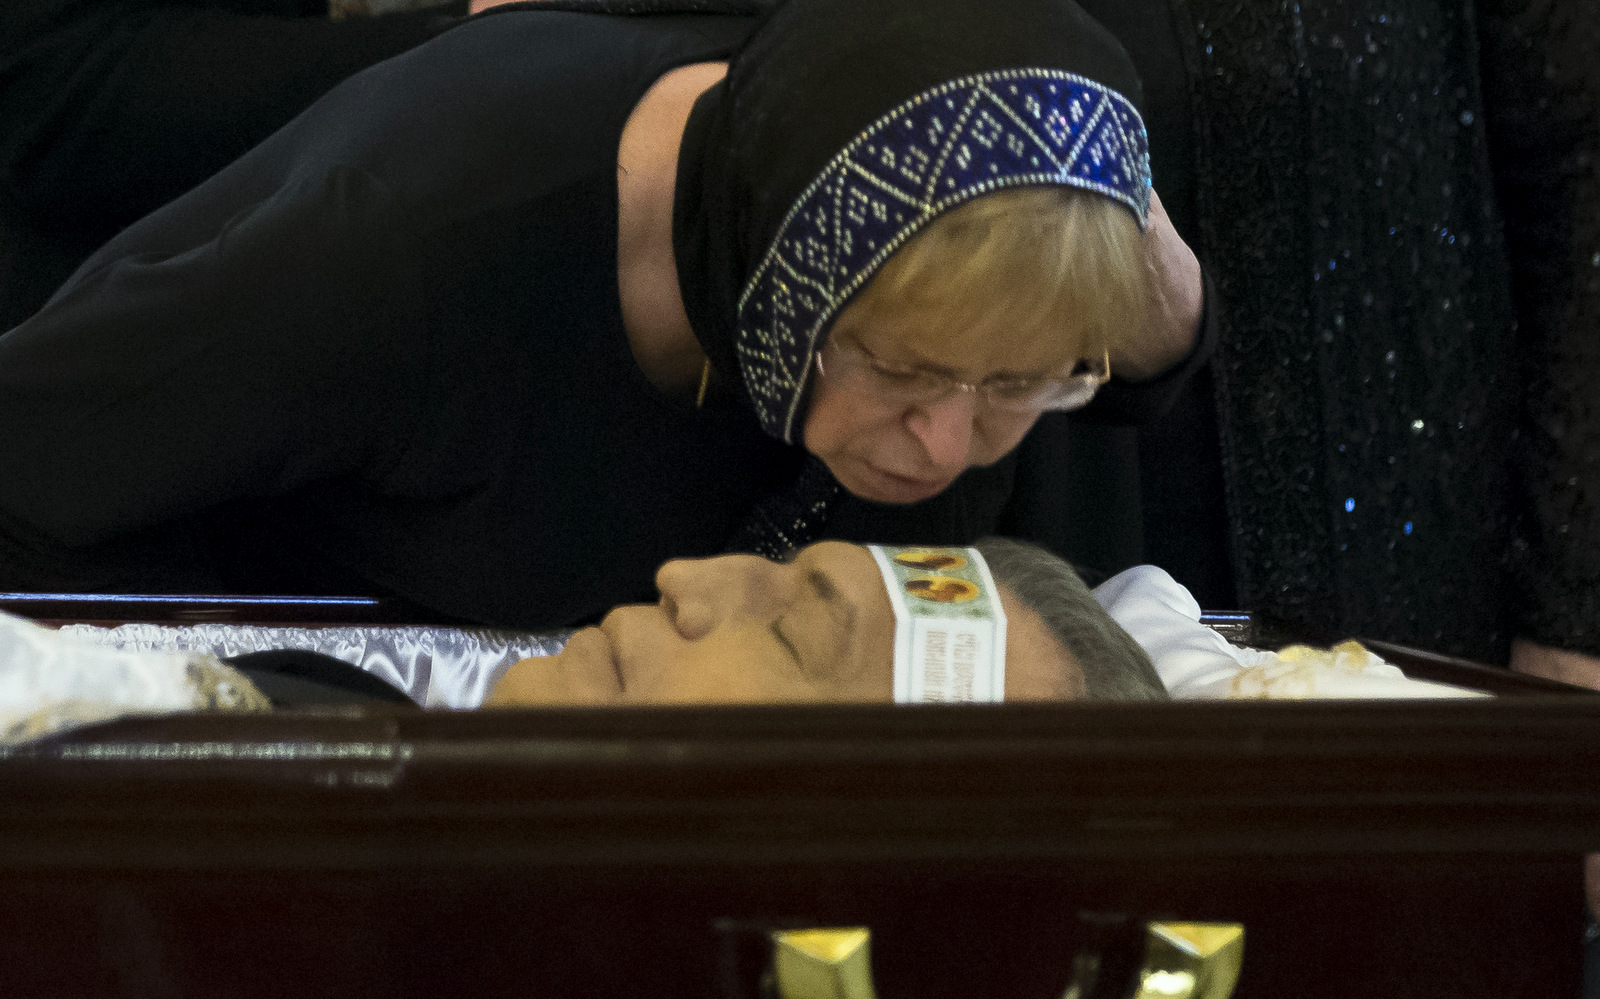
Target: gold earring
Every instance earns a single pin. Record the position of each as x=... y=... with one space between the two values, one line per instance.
x=705 y=382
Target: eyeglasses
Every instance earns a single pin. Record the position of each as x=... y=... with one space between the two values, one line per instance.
x=853 y=367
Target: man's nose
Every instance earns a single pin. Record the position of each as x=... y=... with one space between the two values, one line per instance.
x=698 y=595
x=944 y=429
x=692 y=617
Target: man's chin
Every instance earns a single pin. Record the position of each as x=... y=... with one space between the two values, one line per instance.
x=587 y=671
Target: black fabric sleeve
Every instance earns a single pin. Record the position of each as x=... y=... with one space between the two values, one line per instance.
x=1541 y=69
x=110 y=109
x=214 y=353
x=1128 y=402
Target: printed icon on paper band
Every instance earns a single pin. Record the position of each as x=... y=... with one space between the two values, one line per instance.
x=942 y=589
x=930 y=561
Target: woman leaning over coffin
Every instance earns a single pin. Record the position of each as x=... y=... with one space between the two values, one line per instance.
x=501 y=324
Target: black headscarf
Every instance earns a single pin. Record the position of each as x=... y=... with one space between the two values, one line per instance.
x=813 y=77
x=810 y=80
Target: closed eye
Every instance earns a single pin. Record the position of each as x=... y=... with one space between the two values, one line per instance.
x=897 y=372
x=783 y=640
x=889 y=369
x=826 y=636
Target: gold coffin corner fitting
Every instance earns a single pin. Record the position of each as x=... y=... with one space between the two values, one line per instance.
x=823 y=964
x=1191 y=961
x=1182 y=961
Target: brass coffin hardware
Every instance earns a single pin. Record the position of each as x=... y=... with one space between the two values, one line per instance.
x=823 y=963
x=1191 y=961
x=1181 y=961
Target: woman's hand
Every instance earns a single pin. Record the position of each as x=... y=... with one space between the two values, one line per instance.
x=479 y=6
x=1179 y=296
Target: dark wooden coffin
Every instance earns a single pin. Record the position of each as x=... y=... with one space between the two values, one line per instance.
x=1390 y=850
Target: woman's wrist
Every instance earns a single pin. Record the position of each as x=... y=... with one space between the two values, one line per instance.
x=1178 y=290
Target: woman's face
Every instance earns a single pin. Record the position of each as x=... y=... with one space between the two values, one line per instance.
x=741 y=629
x=894 y=452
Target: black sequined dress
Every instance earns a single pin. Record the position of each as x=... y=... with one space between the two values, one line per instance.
x=1399 y=202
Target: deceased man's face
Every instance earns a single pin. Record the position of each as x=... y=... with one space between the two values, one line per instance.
x=741 y=629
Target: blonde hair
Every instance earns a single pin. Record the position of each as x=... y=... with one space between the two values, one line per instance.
x=1046 y=258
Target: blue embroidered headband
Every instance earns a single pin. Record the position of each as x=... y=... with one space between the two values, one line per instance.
x=943 y=147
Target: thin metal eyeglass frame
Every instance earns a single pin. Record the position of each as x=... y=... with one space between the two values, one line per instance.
x=984 y=392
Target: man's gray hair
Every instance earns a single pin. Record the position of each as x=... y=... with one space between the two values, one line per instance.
x=1114 y=667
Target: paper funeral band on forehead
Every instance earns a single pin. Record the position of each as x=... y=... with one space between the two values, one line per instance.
x=938 y=150
x=950 y=630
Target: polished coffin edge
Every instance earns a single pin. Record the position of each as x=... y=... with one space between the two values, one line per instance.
x=198 y=608
x=963 y=785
